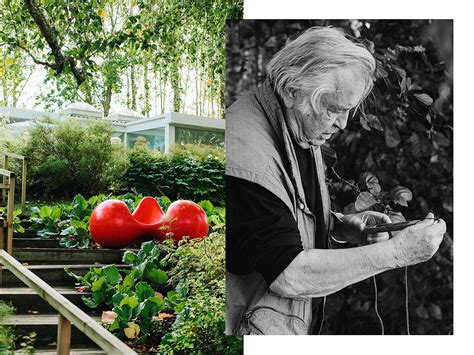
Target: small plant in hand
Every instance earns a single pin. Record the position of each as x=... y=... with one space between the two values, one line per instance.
x=369 y=195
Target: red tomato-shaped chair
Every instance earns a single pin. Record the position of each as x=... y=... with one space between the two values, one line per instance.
x=184 y=218
x=113 y=226
x=148 y=214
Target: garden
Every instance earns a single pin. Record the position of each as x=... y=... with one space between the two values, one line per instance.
x=160 y=295
x=132 y=236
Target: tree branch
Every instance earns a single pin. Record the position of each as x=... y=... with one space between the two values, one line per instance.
x=48 y=33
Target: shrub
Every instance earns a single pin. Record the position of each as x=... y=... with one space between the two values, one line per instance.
x=198 y=151
x=7 y=338
x=200 y=326
x=68 y=158
x=178 y=176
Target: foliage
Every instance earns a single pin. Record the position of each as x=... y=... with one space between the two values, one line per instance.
x=407 y=139
x=7 y=338
x=17 y=227
x=176 y=176
x=69 y=158
x=198 y=151
x=132 y=293
x=215 y=215
x=14 y=74
x=199 y=328
x=403 y=135
x=91 y=49
x=368 y=195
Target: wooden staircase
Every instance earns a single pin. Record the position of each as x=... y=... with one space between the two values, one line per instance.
x=46 y=259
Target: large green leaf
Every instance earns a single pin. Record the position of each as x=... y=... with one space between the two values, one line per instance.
x=157 y=276
x=144 y=290
x=97 y=285
x=112 y=274
x=130 y=301
x=45 y=212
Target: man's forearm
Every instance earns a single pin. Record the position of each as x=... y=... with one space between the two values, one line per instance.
x=320 y=272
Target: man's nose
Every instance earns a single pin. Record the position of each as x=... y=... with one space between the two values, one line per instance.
x=341 y=121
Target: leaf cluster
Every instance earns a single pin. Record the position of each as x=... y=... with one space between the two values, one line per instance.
x=69 y=158
x=176 y=176
x=132 y=293
x=200 y=326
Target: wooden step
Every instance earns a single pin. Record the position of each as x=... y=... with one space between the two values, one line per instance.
x=25 y=300
x=19 y=242
x=28 y=233
x=52 y=273
x=45 y=326
x=67 y=256
x=75 y=351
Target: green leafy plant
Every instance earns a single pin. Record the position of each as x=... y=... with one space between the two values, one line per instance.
x=17 y=223
x=175 y=176
x=66 y=158
x=215 y=215
x=46 y=218
x=75 y=235
x=27 y=345
x=131 y=293
x=200 y=323
x=7 y=337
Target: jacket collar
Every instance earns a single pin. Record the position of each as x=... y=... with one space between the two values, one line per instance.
x=272 y=105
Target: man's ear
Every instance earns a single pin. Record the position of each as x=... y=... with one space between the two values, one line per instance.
x=288 y=99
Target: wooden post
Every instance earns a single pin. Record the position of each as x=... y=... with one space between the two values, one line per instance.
x=10 y=209
x=5 y=166
x=2 y=237
x=23 y=186
x=64 y=336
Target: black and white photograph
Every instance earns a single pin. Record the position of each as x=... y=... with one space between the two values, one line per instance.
x=339 y=177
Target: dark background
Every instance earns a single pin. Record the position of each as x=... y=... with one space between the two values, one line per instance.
x=404 y=138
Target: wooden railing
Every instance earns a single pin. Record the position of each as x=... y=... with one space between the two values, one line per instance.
x=6 y=163
x=68 y=312
x=6 y=224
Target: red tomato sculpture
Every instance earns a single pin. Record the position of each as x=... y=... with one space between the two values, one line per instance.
x=184 y=218
x=149 y=214
x=113 y=226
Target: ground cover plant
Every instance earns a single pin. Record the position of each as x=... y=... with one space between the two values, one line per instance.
x=171 y=299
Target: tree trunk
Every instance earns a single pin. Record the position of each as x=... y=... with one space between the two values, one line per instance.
x=146 y=90
x=4 y=83
x=176 y=91
x=155 y=89
x=129 y=102
x=133 y=85
x=107 y=99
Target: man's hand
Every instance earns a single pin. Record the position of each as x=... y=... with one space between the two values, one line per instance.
x=352 y=224
x=420 y=242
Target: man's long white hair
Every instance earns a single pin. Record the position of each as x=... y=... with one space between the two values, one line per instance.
x=306 y=63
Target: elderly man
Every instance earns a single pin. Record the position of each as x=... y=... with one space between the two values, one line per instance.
x=279 y=219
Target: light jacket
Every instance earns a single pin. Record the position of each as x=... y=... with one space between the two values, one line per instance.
x=259 y=149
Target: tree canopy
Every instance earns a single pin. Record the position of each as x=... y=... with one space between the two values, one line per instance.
x=137 y=50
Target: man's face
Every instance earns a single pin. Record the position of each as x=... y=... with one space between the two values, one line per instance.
x=310 y=128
